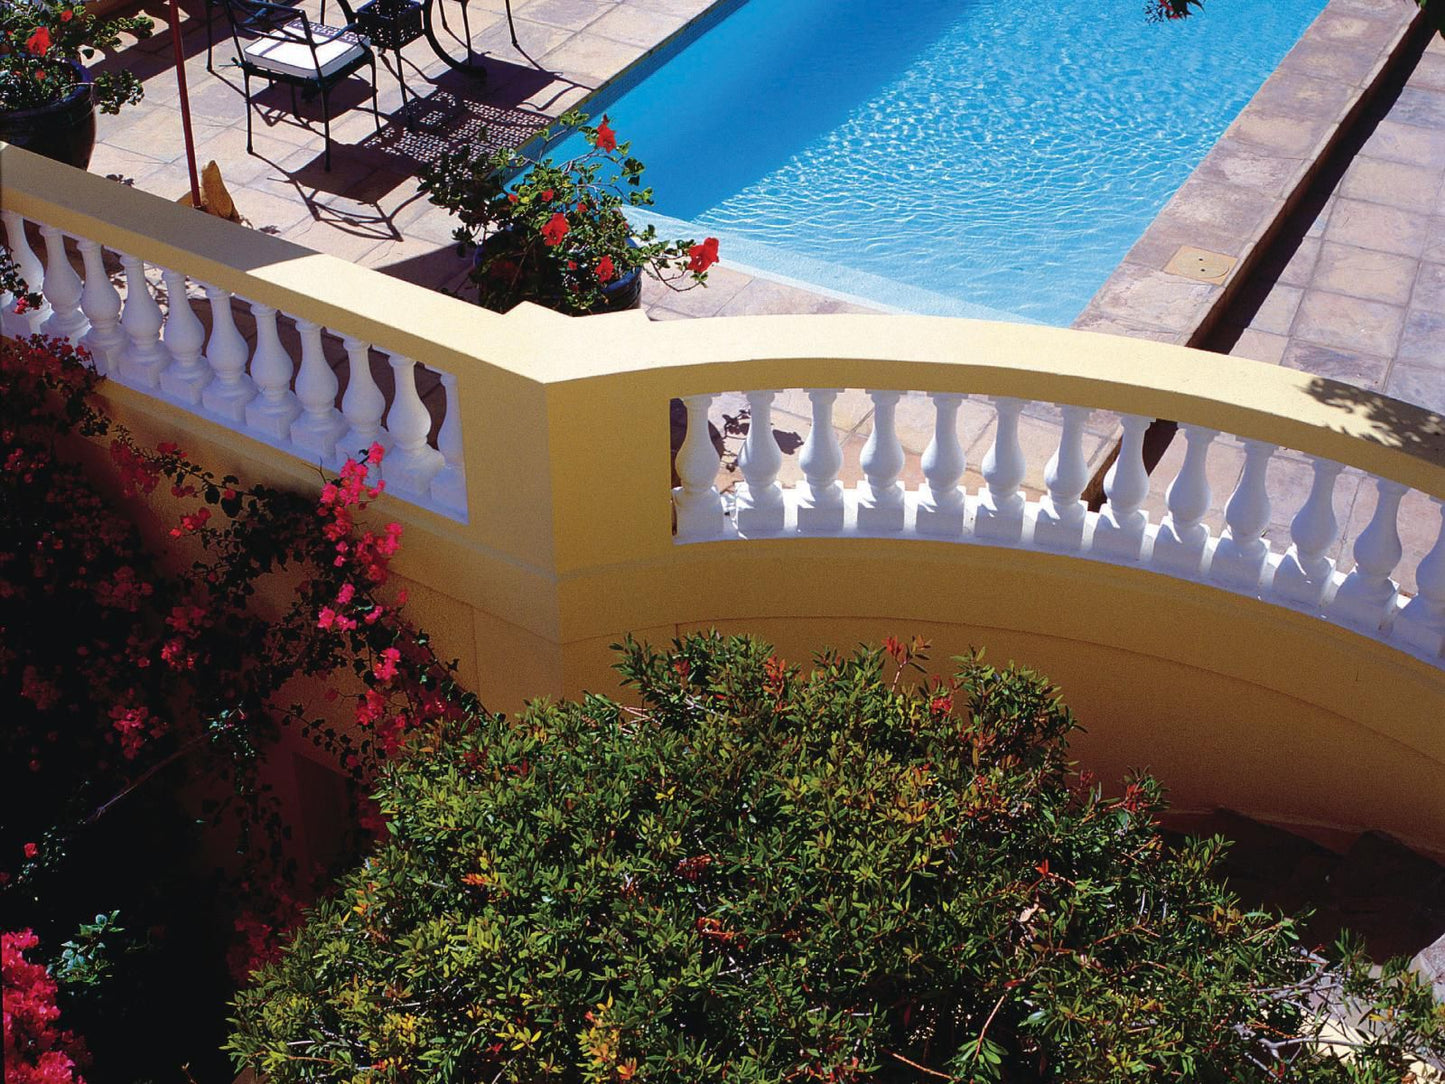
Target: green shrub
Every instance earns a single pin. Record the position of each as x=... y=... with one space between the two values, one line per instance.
x=761 y=875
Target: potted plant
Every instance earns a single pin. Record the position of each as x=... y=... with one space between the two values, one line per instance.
x=48 y=98
x=555 y=233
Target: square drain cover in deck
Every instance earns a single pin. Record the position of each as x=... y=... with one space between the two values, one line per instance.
x=1200 y=264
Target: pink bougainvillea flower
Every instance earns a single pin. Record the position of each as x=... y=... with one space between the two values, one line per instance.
x=605 y=271
x=606 y=137
x=38 y=44
x=701 y=257
x=555 y=229
x=31 y=850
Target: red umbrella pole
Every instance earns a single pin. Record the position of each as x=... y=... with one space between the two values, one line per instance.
x=185 y=104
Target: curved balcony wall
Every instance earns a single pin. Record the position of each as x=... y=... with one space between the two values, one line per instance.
x=529 y=461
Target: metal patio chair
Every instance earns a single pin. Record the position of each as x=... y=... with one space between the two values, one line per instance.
x=281 y=45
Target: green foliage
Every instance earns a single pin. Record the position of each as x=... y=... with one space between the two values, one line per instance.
x=765 y=875
x=84 y=959
x=556 y=234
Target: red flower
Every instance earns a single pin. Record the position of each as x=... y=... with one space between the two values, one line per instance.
x=605 y=270
x=31 y=850
x=701 y=257
x=547 y=195
x=67 y=15
x=39 y=42
x=555 y=229
x=606 y=137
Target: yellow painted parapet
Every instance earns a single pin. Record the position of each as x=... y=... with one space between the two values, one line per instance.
x=568 y=543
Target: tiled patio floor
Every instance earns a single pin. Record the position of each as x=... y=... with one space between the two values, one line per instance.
x=1363 y=298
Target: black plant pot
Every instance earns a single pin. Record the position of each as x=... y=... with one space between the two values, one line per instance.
x=63 y=130
x=620 y=294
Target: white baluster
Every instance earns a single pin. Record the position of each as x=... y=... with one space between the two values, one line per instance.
x=276 y=407
x=411 y=463
x=820 y=494
x=32 y=271
x=185 y=337
x=363 y=404
x=144 y=357
x=699 y=506
x=315 y=432
x=1420 y=626
x=760 y=504
x=449 y=487
x=62 y=289
x=1304 y=573
x=1119 y=532
x=999 y=516
x=1367 y=596
x=226 y=352
x=880 y=495
x=1240 y=557
x=1061 y=515
x=100 y=301
x=1180 y=545
x=940 y=501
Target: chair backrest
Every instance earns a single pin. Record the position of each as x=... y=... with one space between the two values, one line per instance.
x=253 y=19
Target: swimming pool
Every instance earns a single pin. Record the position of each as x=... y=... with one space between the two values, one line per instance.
x=960 y=157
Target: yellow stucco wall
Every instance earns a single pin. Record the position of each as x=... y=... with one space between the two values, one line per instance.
x=568 y=543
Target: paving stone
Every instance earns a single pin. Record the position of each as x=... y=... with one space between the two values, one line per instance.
x=1260 y=346
x=1394 y=184
x=1350 y=366
x=1422 y=342
x=1350 y=323
x=1371 y=225
x=1363 y=272
x=1420 y=105
x=1430 y=290
x=1401 y=142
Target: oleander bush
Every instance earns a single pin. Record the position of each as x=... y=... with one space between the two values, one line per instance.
x=764 y=874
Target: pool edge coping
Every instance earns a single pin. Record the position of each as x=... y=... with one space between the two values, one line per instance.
x=1141 y=298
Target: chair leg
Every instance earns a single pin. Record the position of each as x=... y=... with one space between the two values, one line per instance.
x=246 y=76
x=210 y=40
x=326 y=124
x=375 y=106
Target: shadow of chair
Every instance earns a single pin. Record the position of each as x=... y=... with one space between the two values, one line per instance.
x=281 y=45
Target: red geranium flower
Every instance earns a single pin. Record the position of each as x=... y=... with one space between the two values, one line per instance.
x=555 y=229
x=39 y=42
x=605 y=270
x=67 y=15
x=701 y=257
x=606 y=137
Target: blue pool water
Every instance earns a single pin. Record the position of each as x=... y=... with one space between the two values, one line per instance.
x=967 y=157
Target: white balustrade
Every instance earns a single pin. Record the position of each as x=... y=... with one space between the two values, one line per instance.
x=880 y=494
x=941 y=504
x=100 y=301
x=999 y=516
x=226 y=353
x=276 y=406
x=363 y=404
x=1420 y=626
x=1240 y=557
x=761 y=509
x=31 y=270
x=1061 y=516
x=699 y=505
x=62 y=289
x=144 y=357
x=1365 y=600
x=1119 y=534
x=820 y=494
x=1182 y=539
x=410 y=463
x=449 y=487
x=1304 y=572
x=320 y=424
x=185 y=337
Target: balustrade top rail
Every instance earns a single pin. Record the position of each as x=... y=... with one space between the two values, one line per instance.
x=506 y=442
